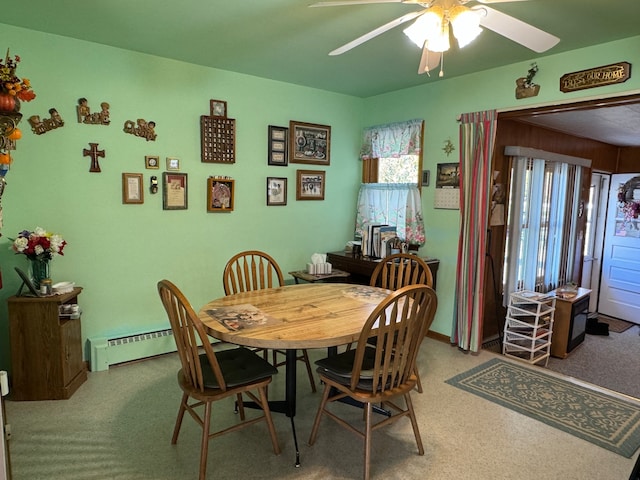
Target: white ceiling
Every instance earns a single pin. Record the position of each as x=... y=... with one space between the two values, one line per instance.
x=616 y=125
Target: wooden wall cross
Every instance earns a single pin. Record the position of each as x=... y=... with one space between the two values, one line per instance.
x=94 y=153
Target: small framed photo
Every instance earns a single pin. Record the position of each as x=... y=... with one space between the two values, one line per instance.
x=219 y=108
x=309 y=143
x=173 y=163
x=276 y=191
x=310 y=184
x=174 y=191
x=132 y=191
x=220 y=193
x=151 y=162
x=278 y=146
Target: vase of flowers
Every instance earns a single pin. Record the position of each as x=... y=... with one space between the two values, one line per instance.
x=39 y=246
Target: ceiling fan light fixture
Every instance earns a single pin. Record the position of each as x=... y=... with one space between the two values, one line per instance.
x=439 y=42
x=426 y=27
x=466 y=24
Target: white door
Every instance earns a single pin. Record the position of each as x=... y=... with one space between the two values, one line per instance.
x=620 y=281
x=594 y=236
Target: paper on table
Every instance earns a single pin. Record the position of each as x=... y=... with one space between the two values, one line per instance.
x=240 y=317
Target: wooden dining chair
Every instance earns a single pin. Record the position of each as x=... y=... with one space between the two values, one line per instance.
x=209 y=376
x=255 y=270
x=399 y=270
x=382 y=373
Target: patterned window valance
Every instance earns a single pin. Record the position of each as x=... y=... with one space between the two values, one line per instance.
x=392 y=140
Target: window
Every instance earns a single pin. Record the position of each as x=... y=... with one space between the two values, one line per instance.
x=544 y=198
x=390 y=195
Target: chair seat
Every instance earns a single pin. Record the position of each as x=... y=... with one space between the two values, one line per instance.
x=239 y=366
x=339 y=367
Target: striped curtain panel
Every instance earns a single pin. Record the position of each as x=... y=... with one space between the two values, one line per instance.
x=477 y=139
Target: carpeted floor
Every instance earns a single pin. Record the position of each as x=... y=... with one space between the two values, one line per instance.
x=596 y=417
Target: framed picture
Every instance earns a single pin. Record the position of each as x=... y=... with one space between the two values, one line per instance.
x=219 y=108
x=276 y=191
x=309 y=143
x=151 y=162
x=220 y=193
x=174 y=191
x=132 y=191
x=278 y=146
x=310 y=184
x=173 y=163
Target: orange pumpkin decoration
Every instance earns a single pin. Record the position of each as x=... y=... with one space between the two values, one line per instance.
x=15 y=135
x=5 y=158
x=7 y=102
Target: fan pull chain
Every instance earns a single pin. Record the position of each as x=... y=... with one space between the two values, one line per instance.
x=441 y=74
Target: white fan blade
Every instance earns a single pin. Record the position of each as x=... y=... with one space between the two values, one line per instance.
x=340 y=3
x=376 y=32
x=520 y=32
x=428 y=61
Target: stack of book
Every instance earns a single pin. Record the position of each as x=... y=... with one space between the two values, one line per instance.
x=377 y=240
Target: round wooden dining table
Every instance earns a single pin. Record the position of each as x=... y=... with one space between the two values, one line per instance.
x=316 y=315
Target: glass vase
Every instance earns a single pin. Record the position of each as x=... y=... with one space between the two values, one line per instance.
x=39 y=271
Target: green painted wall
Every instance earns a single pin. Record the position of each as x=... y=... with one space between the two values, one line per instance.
x=118 y=252
x=441 y=102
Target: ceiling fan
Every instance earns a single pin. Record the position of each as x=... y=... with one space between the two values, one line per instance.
x=430 y=31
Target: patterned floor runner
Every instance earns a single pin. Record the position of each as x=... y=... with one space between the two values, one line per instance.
x=601 y=419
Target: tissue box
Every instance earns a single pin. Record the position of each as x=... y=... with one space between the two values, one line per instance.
x=323 y=268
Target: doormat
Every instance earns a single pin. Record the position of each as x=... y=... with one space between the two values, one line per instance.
x=594 y=416
x=615 y=325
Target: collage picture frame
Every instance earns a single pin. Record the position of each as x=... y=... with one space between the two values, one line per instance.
x=278 y=141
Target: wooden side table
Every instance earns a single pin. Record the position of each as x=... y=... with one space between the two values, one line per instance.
x=312 y=278
x=46 y=347
x=361 y=267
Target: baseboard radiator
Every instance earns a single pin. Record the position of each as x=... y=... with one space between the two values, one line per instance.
x=106 y=351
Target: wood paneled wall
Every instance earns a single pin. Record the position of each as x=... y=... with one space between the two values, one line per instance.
x=629 y=161
x=512 y=132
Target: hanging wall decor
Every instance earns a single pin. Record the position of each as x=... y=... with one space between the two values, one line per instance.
x=217 y=134
x=141 y=128
x=98 y=118
x=278 y=146
x=39 y=126
x=309 y=143
x=94 y=153
x=220 y=194
x=525 y=87
x=447 y=193
x=174 y=189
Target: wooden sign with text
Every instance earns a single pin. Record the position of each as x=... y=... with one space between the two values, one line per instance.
x=595 y=77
